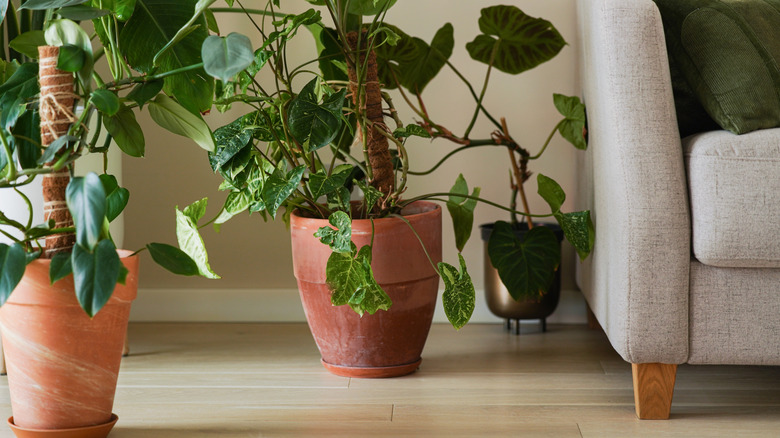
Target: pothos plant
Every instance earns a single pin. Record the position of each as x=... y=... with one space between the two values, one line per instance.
x=311 y=140
x=74 y=111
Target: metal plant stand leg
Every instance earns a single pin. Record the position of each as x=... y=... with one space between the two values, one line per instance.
x=508 y=324
x=517 y=327
x=544 y=325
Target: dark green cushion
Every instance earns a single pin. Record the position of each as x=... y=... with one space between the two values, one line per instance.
x=725 y=54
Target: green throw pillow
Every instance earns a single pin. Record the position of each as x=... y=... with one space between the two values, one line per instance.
x=727 y=51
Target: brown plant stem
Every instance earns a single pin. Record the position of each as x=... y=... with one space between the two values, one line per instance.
x=379 y=157
x=520 y=171
x=56 y=109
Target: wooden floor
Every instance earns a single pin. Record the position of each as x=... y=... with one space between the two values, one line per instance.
x=265 y=380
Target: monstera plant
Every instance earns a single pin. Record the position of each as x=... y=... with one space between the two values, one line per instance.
x=326 y=152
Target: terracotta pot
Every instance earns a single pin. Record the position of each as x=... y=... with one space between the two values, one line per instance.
x=62 y=365
x=497 y=296
x=387 y=343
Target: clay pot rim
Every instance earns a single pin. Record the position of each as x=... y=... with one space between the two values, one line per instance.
x=423 y=208
x=96 y=429
x=124 y=254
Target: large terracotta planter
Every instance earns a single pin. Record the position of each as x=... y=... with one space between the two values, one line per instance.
x=497 y=296
x=62 y=365
x=387 y=343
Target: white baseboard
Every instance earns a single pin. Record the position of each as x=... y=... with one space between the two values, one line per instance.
x=284 y=305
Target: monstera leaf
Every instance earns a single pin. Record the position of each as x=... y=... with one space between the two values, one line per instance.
x=514 y=41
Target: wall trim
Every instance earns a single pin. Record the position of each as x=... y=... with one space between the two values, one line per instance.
x=284 y=305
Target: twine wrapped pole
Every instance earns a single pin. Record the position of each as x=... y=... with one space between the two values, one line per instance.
x=56 y=110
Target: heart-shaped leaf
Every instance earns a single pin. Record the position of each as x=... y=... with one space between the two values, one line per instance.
x=314 y=125
x=224 y=57
x=105 y=101
x=514 y=41
x=12 y=265
x=173 y=259
x=572 y=127
x=352 y=282
x=339 y=237
x=126 y=132
x=322 y=184
x=579 y=231
x=526 y=267
x=412 y=62
x=230 y=140
x=60 y=267
x=278 y=187
x=87 y=204
x=192 y=244
x=462 y=211
x=95 y=275
x=116 y=197
x=145 y=91
x=369 y=297
x=175 y=118
x=28 y=43
x=459 y=295
x=551 y=192
x=71 y=58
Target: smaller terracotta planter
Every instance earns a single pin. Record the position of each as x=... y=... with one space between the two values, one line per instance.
x=62 y=365
x=387 y=343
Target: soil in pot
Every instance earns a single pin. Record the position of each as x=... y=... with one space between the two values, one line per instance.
x=387 y=343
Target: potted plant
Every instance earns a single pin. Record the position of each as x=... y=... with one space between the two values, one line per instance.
x=359 y=245
x=65 y=289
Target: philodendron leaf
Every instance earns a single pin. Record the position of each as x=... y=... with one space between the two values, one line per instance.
x=352 y=282
x=338 y=239
x=411 y=61
x=95 y=274
x=368 y=7
x=526 y=267
x=87 y=204
x=3 y=9
x=82 y=12
x=462 y=211
x=60 y=267
x=370 y=296
x=106 y=102
x=314 y=125
x=459 y=295
x=514 y=41
x=27 y=133
x=551 y=192
x=64 y=32
x=123 y=9
x=196 y=210
x=38 y=5
x=28 y=43
x=278 y=187
x=579 y=231
x=145 y=91
x=12 y=265
x=410 y=130
x=572 y=127
x=116 y=197
x=173 y=259
x=322 y=184
x=71 y=58
x=175 y=118
x=370 y=194
x=224 y=57
x=230 y=140
x=192 y=244
x=126 y=132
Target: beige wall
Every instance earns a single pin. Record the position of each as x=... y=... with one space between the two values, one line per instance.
x=250 y=254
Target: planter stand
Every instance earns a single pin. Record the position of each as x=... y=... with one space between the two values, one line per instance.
x=543 y=321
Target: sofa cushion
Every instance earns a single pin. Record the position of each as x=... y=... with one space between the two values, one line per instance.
x=728 y=52
x=734 y=187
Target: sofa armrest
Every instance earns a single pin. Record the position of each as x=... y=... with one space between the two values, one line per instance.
x=633 y=180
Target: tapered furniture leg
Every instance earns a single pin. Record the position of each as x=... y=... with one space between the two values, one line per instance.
x=593 y=323
x=126 y=348
x=653 y=389
x=2 y=359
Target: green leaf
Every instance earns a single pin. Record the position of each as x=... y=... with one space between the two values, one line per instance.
x=526 y=267
x=520 y=42
x=289 y=25
x=462 y=211
x=211 y=21
x=126 y=131
x=87 y=204
x=352 y=282
x=196 y=210
x=82 y=12
x=65 y=32
x=338 y=239
x=22 y=85
x=369 y=297
x=339 y=199
x=39 y=5
x=224 y=57
x=175 y=118
x=312 y=124
x=331 y=59
x=95 y=275
x=106 y=102
x=411 y=130
x=12 y=265
x=173 y=259
x=71 y=58
x=322 y=184
x=28 y=126
x=579 y=231
x=261 y=57
x=369 y=7
x=572 y=127
x=230 y=140
x=236 y=202
x=412 y=61
x=116 y=197
x=54 y=148
x=192 y=244
x=152 y=25
x=145 y=91
x=123 y=9
x=3 y=9
x=370 y=195
x=60 y=266
x=551 y=192
x=459 y=295
x=279 y=187
x=28 y=43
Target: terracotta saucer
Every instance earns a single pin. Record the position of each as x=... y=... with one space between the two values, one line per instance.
x=98 y=431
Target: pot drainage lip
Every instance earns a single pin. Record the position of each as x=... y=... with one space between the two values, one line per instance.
x=96 y=431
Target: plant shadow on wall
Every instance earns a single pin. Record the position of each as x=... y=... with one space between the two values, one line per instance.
x=58 y=278
x=306 y=152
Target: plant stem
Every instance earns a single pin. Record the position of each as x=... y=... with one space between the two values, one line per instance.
x=154 y=77
x=547 y=143
x=472 y=144
x=29 y=206
x=433 y=196
x=425 y=250
x=11 y=172
x=484 y=90
x=249 y=11
x=474 y=94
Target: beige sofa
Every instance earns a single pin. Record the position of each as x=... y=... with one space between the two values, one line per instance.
x=686 y=266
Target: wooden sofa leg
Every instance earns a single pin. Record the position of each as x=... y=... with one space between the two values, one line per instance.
x=653 y=389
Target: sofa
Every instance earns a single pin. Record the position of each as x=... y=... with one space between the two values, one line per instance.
x=686 y=264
